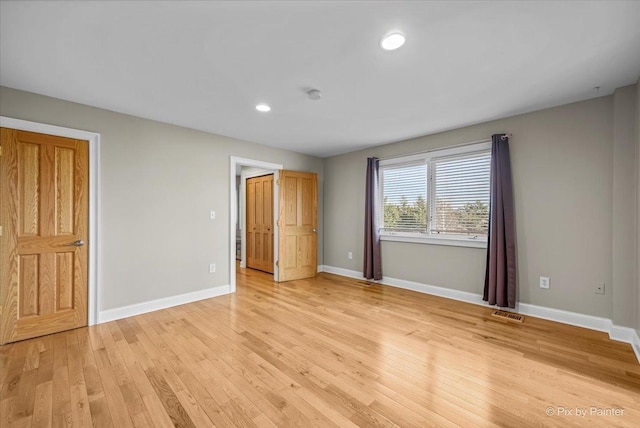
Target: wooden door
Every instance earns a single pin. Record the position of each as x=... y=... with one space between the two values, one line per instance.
x=298 y=224
x=260 y=223
x=44 y=219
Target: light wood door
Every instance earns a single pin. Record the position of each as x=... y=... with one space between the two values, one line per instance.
x=44 y=218
x=298 y=224
x=260 y=223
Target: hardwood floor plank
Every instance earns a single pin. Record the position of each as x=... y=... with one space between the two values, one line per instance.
x=175 y=410
x=157 y=411
x=61 y=405
x=42 y=405
x=143 y=420
x=26 y=396
x=80 y=409
x=326 y=352
x=117 y=405
x=194 y=410
x=209 y=405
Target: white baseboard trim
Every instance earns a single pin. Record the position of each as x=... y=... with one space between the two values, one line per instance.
x=618 y=333
x=566 y=317
x=628 y=335
x=343 y=272
x=622 y=334
x=635 y=344
x=166 y=302
x=415 y=286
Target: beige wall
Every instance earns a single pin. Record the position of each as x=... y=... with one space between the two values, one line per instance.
x=638 y=206
x=562 y=161
x=158 y=183
x=623 y=244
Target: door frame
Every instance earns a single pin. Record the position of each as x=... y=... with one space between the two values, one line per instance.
x=236 y=162
x=93 y=285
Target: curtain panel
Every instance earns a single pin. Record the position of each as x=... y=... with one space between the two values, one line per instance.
x=372 y=258
x=500 y=277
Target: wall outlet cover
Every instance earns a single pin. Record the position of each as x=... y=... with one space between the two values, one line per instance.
x=544 y=282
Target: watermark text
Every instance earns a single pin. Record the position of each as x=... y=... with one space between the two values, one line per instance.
x=582 y=412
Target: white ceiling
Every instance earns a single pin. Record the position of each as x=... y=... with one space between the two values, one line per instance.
x=205 y=65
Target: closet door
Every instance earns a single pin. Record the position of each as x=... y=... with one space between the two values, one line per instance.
x=260 y=223
x=266 y=258
x=251 y=223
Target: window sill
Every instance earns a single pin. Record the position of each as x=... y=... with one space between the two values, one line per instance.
x=441 y=240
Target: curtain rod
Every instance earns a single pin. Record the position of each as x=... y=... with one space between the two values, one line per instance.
x=441 y=148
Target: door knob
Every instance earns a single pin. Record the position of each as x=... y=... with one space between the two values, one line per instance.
x=78 y=243
x=315 y=230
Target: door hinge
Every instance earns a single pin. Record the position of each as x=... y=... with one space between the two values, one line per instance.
x=0 y=230
x=0 y=150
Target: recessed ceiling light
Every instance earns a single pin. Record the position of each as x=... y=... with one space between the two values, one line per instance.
x=392 y=41
x=263 y=107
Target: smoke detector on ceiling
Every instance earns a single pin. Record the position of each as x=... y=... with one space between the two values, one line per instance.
x=314 y=94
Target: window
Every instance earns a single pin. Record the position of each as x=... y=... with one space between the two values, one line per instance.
x=437 y=197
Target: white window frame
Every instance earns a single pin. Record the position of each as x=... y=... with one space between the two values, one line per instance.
x=428 y=238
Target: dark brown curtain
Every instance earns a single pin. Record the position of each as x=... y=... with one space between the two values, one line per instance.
x=372 y=260
x=500 y=278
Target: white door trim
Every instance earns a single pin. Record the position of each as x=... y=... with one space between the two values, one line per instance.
x=237 y=162
x=94 y=189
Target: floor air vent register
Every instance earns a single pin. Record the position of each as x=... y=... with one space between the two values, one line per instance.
x=510 y=316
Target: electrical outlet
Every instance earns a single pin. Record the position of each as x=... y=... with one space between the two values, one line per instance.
x=212 y=215
x=212 y=268
x=544 y=282
x=599 y=288
x=350 y=255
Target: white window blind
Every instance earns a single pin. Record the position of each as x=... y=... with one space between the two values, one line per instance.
x=441 y=194
x=404 y=195
x=461 y=186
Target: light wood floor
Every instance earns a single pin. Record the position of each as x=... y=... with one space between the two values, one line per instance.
x=325 y=352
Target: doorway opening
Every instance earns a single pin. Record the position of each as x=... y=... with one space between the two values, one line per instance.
x=236 y=220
